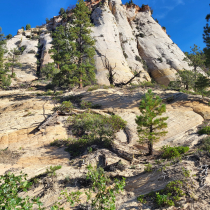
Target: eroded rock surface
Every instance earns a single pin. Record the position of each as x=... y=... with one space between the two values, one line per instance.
x=127 y=36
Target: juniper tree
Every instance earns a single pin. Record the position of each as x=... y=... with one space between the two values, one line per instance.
x=148 y=124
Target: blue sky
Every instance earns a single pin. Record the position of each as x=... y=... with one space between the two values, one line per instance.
x=183 y=19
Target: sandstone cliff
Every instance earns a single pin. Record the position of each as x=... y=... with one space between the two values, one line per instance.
x=127 y=35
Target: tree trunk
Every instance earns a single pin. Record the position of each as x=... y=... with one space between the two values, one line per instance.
x=13 y=65
x=58 y=63
x=150 y=147
x=150 y=143
x=80 y=80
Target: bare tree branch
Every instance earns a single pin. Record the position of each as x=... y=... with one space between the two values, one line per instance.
x=111 y=74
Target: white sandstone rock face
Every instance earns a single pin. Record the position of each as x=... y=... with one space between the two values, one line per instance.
x=163 y=57
x=129 y=35
x=129 y=38
x=108 y=43
x=28 y=60
x=28 y=57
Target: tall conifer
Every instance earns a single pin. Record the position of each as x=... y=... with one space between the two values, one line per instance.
x=84 y=50
x=73 y=49
x=2 y=51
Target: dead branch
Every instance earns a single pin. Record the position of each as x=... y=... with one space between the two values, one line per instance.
x=111 y=74
x=203 y=175
x=44 y=110
x=129 y=81
x=109 y=68
x=123 y=154
x=47 y=121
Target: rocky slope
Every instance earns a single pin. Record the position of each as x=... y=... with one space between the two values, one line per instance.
x=127 y=35
x=31 y=143
x=25 y=146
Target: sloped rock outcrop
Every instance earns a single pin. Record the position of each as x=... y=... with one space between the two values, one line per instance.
x=27 y=58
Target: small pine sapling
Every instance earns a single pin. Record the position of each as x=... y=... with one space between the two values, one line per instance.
x=148 y=123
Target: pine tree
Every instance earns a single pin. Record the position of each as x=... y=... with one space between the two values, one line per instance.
x=148 y=123
x=9 y=36
x=84 y=50
x=12 y=61
x=73 y=50
x=196 y=58
x=206 y=38
x=59 y=46
x=201 y=84
x=62 y=11
x=2 y=51
x=186 y=79
x=2 y=47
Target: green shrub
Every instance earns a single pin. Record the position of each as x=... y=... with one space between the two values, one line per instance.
x=105 y=197
x=66 y=106
x=147 y=84
x=185 y=172
x=95 y=87
x=35 y=37
x=141 y=199
x=204 y=130
x=10 y=186
x=9 y=36
x=172 y=193
x=6 y=81
x=205 y=144
x=138 y=58
x=20 y=50
x=88 y=104
x=28 y=27
x=125 y=55
x=173 y=152
x=148 y=167
x=160 y=59
x=51 y=171
x=163 y=200
x=141 y=35
x=49 y=71
x=32 y=52
x=13 y=75
x=77 y=146
x=101 y=185
x=98 y=126
x=157 y=20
